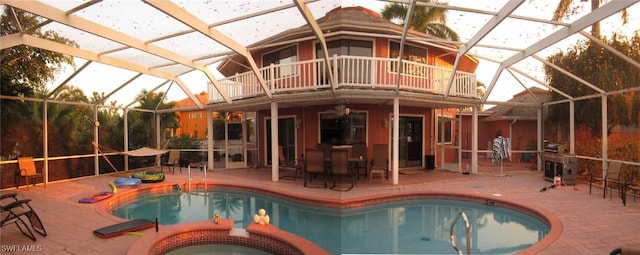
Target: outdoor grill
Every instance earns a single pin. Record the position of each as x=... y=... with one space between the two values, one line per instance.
x=558 y=162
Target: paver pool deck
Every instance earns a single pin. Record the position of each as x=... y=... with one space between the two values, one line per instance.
x=590 y=224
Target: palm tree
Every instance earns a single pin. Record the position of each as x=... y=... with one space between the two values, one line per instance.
x=564 y=9
x=143 y=124
x=431 y=20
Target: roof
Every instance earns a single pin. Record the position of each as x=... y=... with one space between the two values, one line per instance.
x=339 y=21
x=514 y=109
x=188 y=103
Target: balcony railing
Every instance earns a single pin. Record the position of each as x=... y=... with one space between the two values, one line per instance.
x=365 y=73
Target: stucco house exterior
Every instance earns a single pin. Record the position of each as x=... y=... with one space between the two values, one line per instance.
x=192 y=123
x=351 y=91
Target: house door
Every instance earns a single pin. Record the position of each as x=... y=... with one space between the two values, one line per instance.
x=235 y=146
x=286 y=138
x=410 y=141
x=229 y=150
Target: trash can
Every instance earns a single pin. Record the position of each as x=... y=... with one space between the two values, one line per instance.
x=430 y=162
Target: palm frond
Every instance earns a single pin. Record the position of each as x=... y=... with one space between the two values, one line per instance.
x=442 y=31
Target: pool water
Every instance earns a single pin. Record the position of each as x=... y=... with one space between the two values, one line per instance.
x=406 y=227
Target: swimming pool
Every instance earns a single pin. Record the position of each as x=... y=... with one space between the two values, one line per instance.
x=406 y=226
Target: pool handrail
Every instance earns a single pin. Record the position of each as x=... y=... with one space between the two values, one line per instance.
x=467 y=227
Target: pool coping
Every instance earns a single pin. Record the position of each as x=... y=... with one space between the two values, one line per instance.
x=554 y=223
x=263 y=237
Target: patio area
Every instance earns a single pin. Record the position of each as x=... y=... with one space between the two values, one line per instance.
x=591 y=225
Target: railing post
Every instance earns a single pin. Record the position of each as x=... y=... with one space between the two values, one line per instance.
x=372 y=73
x=335 y=69
x=272 y=73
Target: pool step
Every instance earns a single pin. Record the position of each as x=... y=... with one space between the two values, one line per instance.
x=239 y=232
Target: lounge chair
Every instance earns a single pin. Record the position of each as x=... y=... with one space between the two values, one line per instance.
x=172 y=161
x=289 y=166
x=626 y=250
x=314 y=165
x=28 y=170
x=13 y=211
x=340 y=167
x=380 y=161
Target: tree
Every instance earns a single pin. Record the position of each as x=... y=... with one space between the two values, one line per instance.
x=111 y=123
x=27 y=68
x=564 y=10
x=24 y=71
x=142 y=124
x=598 y=66
x=430 y=20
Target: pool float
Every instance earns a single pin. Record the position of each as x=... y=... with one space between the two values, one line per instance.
x=127 y=182
x=149 y=176
x=96 y=197
x=124 y=227
x=114 y=189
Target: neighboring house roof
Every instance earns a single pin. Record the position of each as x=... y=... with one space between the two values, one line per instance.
x=187 y=102
x=535 y=95
x=339 y=20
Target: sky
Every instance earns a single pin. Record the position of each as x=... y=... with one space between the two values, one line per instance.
x=101 y=78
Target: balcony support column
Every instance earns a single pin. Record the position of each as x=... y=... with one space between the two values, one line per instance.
x=396 y=136
x=474 y=140
x=210 y=145
x=275 y=165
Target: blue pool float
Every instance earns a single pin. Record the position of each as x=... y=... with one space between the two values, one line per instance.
x=127 y=182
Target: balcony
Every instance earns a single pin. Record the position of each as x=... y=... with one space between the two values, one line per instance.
x=350 y=72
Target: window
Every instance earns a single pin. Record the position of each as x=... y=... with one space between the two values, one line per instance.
x=195 y=115
x=343 y=130
x=444 y=129
x=349 y=70
x=346 y=48
x=411 y=53
x=282 y=57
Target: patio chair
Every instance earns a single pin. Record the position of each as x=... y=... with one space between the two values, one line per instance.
x=379 y=162
x=634 y=190
x=359 y=151
x=12 y=213
x=288 y=165
x=172 y=161
x=326 y=148
x=633 y=182
x=612 y=176
x=314 y=165
x=28 y=170
x=340 y=167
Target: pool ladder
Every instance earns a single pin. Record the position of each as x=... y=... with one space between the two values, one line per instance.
x=452 y=236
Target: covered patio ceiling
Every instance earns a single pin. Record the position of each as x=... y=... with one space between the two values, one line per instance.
x=175 y=46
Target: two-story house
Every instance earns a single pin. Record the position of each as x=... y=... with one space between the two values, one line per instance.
x=348 y=83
